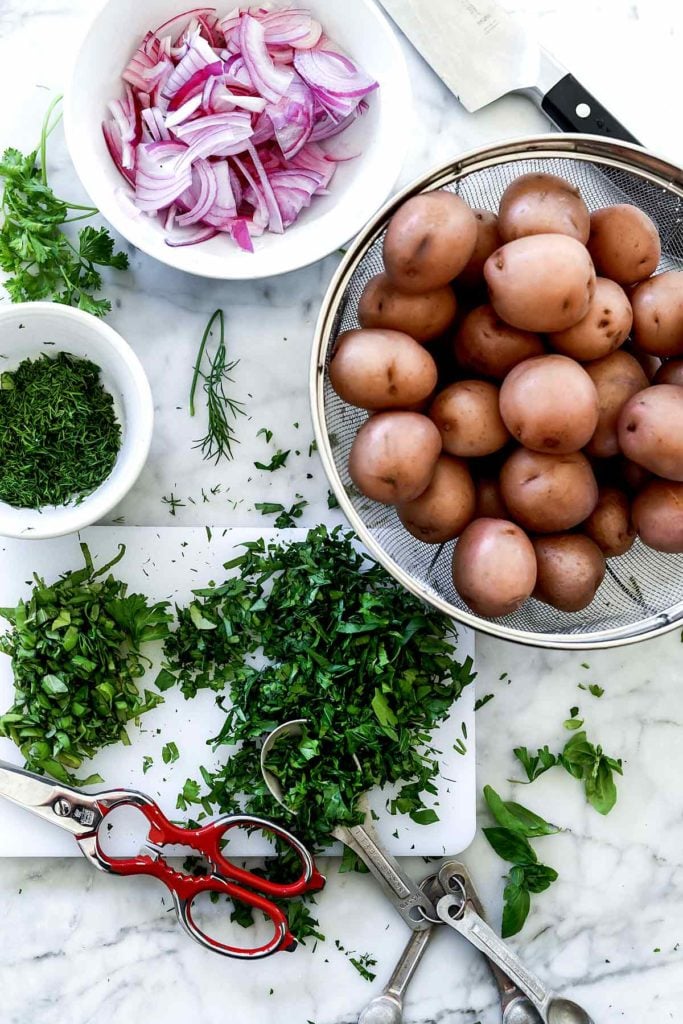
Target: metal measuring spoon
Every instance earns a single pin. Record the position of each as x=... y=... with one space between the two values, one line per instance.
x=387 y=1008
x=406 y=896
x=458 y=913
x=515 y=1006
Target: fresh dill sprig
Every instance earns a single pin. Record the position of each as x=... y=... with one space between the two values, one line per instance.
x=222 y=409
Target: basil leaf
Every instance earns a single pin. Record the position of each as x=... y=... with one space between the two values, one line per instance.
x=516 y=906
x=510 y=846
x=517 y=818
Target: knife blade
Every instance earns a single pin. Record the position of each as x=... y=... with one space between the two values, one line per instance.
x=482 y=53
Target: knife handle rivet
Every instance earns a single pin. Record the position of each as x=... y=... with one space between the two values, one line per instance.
x=583 y=110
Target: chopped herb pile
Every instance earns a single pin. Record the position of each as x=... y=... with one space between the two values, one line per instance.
x=42 y=260
x=59 y=436
x=76 y=648
x=369 y=667
x=221 y=408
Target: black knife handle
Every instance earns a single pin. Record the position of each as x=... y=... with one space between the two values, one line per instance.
x=574 y=109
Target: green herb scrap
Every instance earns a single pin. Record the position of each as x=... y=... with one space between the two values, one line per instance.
x=369 y=667
x=222 y=410
x=583 y=761
x=76 y=648
x=59 y=436
x=41 y=259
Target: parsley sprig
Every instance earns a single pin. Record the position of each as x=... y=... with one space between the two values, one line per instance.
x=41 y=259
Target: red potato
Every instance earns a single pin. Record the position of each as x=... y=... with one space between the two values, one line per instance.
x=610 y=524
x=430 y=239
x=488 y=240
x=380 y=369
x=549 y=404
x=494 y=567
x=485 y=344
x=539 y=204
x=548 y=493
x=651 y=430
x=604 y=328
x=541 y=283
x=424 y=317
x=442 y=511
x=658 y=516
x=624 y=243
x=670 y=372
x=616 y=378
x=658 y=314
x=571 y=567
x=468 y=418
x=393 y=457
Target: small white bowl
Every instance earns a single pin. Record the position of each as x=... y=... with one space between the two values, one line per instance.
x=360 y=186
x=30 y=329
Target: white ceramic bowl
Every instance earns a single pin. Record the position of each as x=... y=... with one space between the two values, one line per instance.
x=359 y=186
x=24 y=331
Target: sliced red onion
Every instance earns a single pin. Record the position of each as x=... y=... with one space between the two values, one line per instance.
x=239 y=229
x=269 y=80
x=154 y=120
x=292 y=118
x=176 y=241
x=204 y=190
x=181 y=114
x=219 y=126
x=332 y=73
x=176 y=23
x=274 y=215
x=326 y=127
x=291 y=28
x=112 y=137
x=215 y=135
x=195 y=84
x=199 y=56
x=223 y=99
x=224 y=208
x=159 y=178
x=145 y=57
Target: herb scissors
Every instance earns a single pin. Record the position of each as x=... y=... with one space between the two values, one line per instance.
x=83 y=815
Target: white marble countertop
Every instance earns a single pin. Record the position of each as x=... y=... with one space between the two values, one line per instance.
x=80 y=947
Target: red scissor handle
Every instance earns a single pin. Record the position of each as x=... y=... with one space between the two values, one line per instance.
x=224 y=878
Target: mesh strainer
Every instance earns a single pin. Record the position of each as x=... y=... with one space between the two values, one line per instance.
x=642 y=594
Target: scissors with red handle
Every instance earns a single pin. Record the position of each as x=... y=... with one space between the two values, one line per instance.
x=83 y=815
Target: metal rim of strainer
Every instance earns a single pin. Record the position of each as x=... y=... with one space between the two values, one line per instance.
x=588 y=148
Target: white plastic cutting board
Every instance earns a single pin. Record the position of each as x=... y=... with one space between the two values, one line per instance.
x=166 y=564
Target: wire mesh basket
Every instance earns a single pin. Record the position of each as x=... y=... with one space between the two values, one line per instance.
x=642 y=593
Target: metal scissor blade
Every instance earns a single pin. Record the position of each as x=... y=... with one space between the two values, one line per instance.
x=61 y=805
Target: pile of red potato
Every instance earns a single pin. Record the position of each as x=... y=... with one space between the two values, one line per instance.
x=523 y=373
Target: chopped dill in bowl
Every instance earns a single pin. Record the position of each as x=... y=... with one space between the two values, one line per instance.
x=59 y=435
